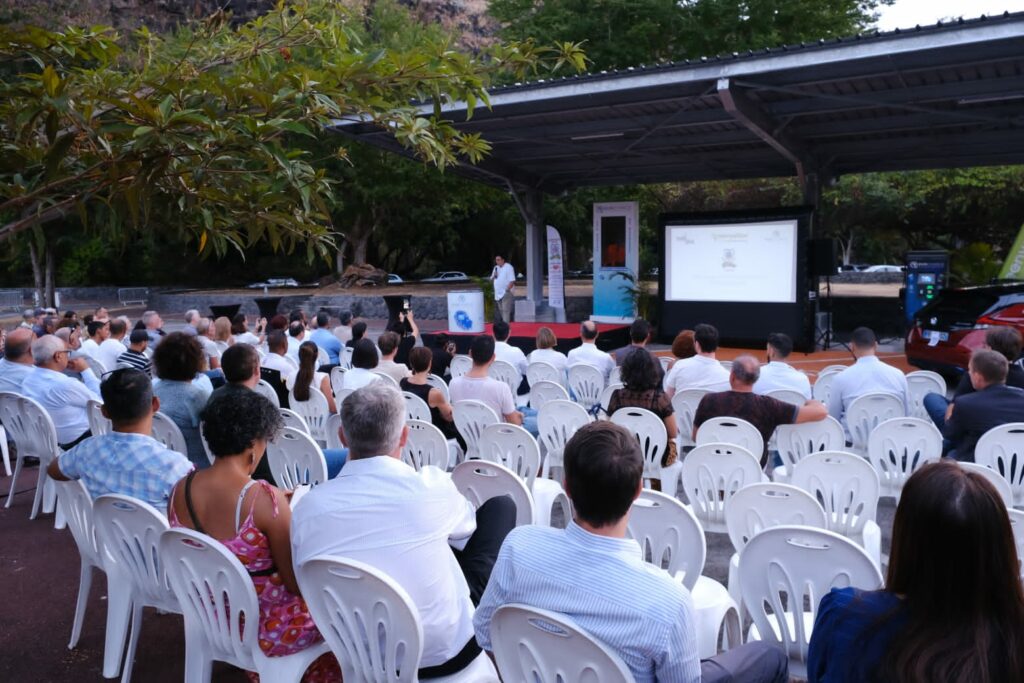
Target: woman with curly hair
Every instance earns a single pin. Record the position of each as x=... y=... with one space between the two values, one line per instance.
x=252 y=519
x=177 y=360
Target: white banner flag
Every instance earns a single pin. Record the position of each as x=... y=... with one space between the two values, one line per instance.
x=556 y=275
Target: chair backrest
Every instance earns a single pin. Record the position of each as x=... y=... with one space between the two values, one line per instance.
x=665 y=361
x=669 y=535
x=757 y=507
x=264 y=389
x=615 y=376
x=786 y=567
x=731 y=430
x=338 y=381
x=544 y=390
x=99 y=424
x=322 y=357
x=129 y=531
x=331 y=429
x=650 y=433
x=822 y=386
x=340 y=395
x=606 y=397
x=294 y=420
x=415 y=407
x=314 y=411
x=295 y=459
x=844 y=484
x=788 y=396
x=426 y=445
x=386 y=377
x=216 y=595
x=684 y=405
x=76 y=504
x=512 y=446
x=460 y=365
x=712 y=474
x=727 y=364
x=897 y=447
x=920 y=383
x=29 y=426
x=1017 y=526
x=438 y=383
x=97 y=366
x=795 y=442
x=997 y=480
x=867 y=412
x=557 y=421
x=168 y=433
x=586 y=382
x=536 y=645
x=480 y=480
x=539 y=371
x=1002 y=449
x=470 y=419
x=503 y=371
x=350 y=601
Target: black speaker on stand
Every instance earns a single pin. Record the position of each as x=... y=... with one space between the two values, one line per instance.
x=823 y=257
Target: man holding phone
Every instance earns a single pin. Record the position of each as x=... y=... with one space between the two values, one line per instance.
x=504 y=278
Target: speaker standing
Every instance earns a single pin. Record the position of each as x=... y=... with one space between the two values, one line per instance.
x=504 y=278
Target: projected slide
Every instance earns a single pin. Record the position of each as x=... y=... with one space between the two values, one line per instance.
x=750 y=262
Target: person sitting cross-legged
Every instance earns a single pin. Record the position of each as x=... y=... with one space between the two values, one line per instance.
x=593 y=574
x=128 y=460
x=991 y=403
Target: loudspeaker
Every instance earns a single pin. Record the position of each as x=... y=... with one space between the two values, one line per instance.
x=823 y=257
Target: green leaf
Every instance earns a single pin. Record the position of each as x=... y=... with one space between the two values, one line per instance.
x=51 y=81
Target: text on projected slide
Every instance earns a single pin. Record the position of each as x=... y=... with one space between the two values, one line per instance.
x=751 y=262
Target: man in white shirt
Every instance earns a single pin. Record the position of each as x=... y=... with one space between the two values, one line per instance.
x=388 y=345
x=702 y=371
x=587 y=353
x=275 y=359
x=414 y=526
x=63 y=397
x=111 y=348
x=778 y=374
x=344 y=330
x=98 y=331
x=17 y=363
x=504 y=278
x=512 y=355
x=477 y=385
x=296 y=335
x=868 y=375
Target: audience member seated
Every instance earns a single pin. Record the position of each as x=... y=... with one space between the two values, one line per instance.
x=45 y=324
x=240 y=330
x=504 y=351
x=98 y=332
x=440 y=410
x=778 y=374
x=153 y=324
x=358 y=330
x=408 y=333
x=296 y=335
x=241 y=366
x=127 y=460
x=17 y=363
x=277 y=347
x=111 y=348
x=442 y=352
x=308 y=376
x=587 y=353
x=414 y=526
x=191 y=319
x=593 y=574
x=546 y=353
x=252 y=519
x=62 y=396
x=278 y=322
x=702 y=370
x=867 y=376
x=364 y=361
x=388 y=345
x=135 y=356
x=204 y=334
x=343 y=331
x=952 y=608
x=323 y=338
x=222 y=334
x=683 y=347
x=991 y=404
x=641 y=379
x=177 y=360
x=478 y=385
x=639 y=338
x=764 y=412
x=70 y=335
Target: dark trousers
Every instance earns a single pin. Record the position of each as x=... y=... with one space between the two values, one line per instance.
x=750 y=663
x=71 y=444
x=494 y=519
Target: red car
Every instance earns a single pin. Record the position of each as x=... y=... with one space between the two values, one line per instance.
x=946 y=331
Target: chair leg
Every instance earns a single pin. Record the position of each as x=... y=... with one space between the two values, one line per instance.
x=5 y=451
x=119 y=614
x=198 y=666
x=84 y=584
x=37 y=501
x=14 y=480
x=133 y=642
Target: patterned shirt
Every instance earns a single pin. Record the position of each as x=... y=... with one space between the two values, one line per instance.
x=130 y=464
x=136 y=360
x=604 y=585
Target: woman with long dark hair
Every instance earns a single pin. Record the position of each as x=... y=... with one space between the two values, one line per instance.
x=308 y=376
x=952 y=610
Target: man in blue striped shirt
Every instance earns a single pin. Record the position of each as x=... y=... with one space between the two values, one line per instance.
x=592 y=573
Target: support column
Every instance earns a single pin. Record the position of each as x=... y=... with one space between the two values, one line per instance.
x=533 y=205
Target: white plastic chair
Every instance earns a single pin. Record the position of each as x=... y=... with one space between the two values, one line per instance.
x=684 y=405
x=847 y=487
x=762 y=506
x=322 y=357
x=129 y=531
x=652 y=436
x=76 y=504
x=536 y=645
x=294 y=420
x=557 y=421
x=470 y=419
x=218 y=601
x=504 y=371
x=99 y=424
x=586 y=383
x=386 y=378
x=1002 y=449
x=264 y=389
x=480 y=480
x=415 y=407
x=168 y=433
x=460 y=365
x=731 y=430
x=295 y=459
x=822 y=386
x=866 y=413
x=340 y=395
x=1017 y=526
x=438 y=383
x=539 y=371
x=897 y=447
x=665 y=362
x=920 y=383
x=606 y=398
x=667 y=531
x=997 y=480
x=32 y=430
x=337 y=378
x=615 y=376
x=795 y=442
x=331 y=429
x=426 y=445
x=349 y=600
x=5 y=452
x=515 y=448
x=346 y=357
x=785 y=567
x=712 y=473
x=314 y=411
x=727 y=364
x=97 y=366
x=544 y=390
x=788 y=396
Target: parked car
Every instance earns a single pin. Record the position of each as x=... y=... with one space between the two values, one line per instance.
x=586 y=273
x=853 y=267
x=952 y=326
x=883 y=269
x=394 y=279
x=447 y=276
x=274 y=283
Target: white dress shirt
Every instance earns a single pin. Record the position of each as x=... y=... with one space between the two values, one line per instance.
x=108 y=353
x=697 y=372
x=867 y=376
x=382 y=512
x=89 y=347
x=587 y=353
x=275 y=361
x=512 y=355
x=64 y=398
x=357 y=378
x=293 y=347
x=778 y=375
x=504 y=277
x=12 y=375
x=397 y=371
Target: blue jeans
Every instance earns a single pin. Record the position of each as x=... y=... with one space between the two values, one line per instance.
x=935 y=405
x=335 y=458
x=530 y=420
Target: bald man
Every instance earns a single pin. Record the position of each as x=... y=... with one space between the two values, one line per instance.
x=17 y=361
x=587 y=353
x=764 y=412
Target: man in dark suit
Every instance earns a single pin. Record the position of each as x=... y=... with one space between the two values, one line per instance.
x=991 y=404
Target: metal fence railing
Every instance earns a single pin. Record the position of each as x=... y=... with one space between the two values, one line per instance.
x=11 y=299
x=133 y=295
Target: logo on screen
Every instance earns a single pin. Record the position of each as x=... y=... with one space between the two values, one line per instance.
x=728 y=259
x=776 y=236
x=685 y=239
